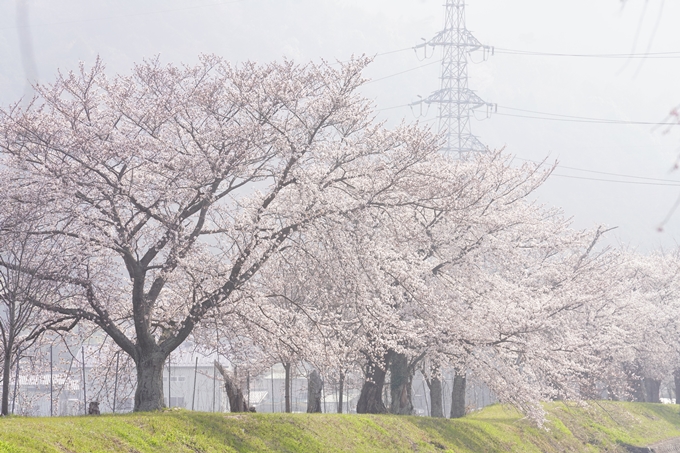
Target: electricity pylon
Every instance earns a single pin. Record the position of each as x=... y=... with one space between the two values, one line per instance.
x=456 y=101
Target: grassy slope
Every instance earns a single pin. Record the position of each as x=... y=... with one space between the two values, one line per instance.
x=598 y=427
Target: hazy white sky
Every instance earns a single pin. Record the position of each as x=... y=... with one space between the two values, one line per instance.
x=124 y=31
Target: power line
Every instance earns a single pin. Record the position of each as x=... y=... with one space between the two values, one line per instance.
x=566 y=118
x=393 y=107
x=379 y=55
x=603 y=172
x=403 y=72
x=646 y=180
x=394 y=51
x=653 y=55
x=617 y=181
x=552 y=114
x=657 y=55
x=559 y=117
x=506 y=51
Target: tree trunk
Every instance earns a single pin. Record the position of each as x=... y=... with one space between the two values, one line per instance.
x=637 y=391
x=6 y=370
x=611 y=395
x=458 y=396
x=370 y=399
x=237 y=402
x=588 y=388
x=314 y=388
x=651 y=388
x=676 y=376
x=400 y=386
x=149 y=393
x=286 y=392
x=635 y=383
x=436 y=401
x=341 y=383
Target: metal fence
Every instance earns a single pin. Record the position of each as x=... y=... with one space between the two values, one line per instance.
x=59 y=384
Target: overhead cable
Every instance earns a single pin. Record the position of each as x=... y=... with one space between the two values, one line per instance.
x=617 y=181
x=620 y=175
x=662 y=55
x=559 y=117
x=584 y=119
x=403 y=72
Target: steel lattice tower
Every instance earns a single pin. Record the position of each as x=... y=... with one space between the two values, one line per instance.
x=455 y=99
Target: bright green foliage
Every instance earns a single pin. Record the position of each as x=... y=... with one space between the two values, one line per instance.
x=601 y=426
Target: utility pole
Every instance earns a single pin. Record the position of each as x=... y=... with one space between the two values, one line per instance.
x=455 y=99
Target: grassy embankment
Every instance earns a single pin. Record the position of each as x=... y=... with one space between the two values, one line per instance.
x=599 y=427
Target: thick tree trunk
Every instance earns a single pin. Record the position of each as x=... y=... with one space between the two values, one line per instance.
x=6 y=371
x=370 y=399
x=400 y=386
x=237 y=402
x=676 y=376
x=436 y=401
x=458 y=396
x=286 y=392
x=341 y=383
x=314 y=388
x=149 y=393
x=651 y=389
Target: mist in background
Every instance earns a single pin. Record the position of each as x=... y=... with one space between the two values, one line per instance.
x=551 y=102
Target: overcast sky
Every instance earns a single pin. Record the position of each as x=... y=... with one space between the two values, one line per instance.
x=122 y=32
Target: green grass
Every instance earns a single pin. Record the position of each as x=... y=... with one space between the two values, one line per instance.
x=601 y=426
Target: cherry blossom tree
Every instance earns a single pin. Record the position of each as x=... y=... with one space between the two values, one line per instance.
x=171 y=187
x=373 y=282
x=23 y=324
x=649 y=353
x=262 y=208
x=481 y=280
x=445 y=243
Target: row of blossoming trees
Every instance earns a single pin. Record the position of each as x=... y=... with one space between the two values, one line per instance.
x=264 y=208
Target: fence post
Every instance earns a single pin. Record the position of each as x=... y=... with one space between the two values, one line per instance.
x=51 y=383
x=115 y=384
x=214 y=385
x=16 y=382
x=82 y=350
x=193 y=396
x=272 y=388
x=169 y=400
